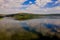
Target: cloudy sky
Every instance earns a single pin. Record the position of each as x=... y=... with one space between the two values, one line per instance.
x=29 y=6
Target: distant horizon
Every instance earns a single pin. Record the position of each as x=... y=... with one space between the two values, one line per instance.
x=28 y=13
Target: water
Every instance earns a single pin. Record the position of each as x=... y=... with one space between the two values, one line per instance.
x=33 y=24
x=36 y=26
x=30 y=25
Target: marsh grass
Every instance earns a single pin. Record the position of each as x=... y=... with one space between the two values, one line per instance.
x=25 y=35
x=22 y=35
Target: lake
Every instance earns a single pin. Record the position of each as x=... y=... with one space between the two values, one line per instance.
x=42 y=25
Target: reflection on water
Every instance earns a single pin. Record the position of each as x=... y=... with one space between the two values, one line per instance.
x=51 y=26
x=27 y=27
x=36 y=26
x=30 y=28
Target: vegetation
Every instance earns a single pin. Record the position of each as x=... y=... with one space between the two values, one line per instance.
x=22 y=16
x=22 y=35
x=25 y=35
x=1 y=17
x=25 y=16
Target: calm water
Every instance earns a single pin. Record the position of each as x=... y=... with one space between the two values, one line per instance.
x=42 y=25
x=35 y=24
x=32 y=24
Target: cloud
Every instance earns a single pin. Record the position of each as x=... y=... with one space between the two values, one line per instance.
x=53 y=3
x=38 y=6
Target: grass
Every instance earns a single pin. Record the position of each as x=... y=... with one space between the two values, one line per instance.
x=1 y=17
x=26 y=36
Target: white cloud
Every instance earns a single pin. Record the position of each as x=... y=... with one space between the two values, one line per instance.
x=14 y=6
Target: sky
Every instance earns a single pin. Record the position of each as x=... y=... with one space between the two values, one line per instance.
x=30 y=6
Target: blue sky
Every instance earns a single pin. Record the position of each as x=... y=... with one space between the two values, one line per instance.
x=52 y=4
x=28 y=2
x=30 y=6
x=49 y=4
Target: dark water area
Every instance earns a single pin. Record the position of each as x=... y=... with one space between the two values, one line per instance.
x=26 y=27
x=51 y=26
x=40 y=35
